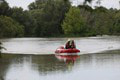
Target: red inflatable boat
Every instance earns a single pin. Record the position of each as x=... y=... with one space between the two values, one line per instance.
x=63 y=50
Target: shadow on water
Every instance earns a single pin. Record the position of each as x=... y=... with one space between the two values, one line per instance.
x=36 y=67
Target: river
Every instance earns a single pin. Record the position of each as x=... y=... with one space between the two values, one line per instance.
x=34 y=59
x=49 y=45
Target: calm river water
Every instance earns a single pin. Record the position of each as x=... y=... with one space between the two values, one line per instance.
x=34 y=59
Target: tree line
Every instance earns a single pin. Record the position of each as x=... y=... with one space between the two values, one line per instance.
x=54 y=18
x=85 y=21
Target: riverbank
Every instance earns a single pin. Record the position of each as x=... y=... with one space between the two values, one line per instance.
x=64 y=36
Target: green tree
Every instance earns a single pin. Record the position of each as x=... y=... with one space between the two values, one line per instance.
x=85 y=7
x=50 y=16
x=10 y=28
x=25 y=19
x=103 y=21
x=40 y=4
x=117 y=22
x=85 y=1
x=74 y=23
x=37 y=14
x=4 y=8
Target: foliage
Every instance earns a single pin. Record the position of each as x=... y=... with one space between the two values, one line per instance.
x=49 y=16
x=117 y=23
x=10 y=28
x=46 y=18
x=98 y=21
x=25 y=19
x=85 y=1
x=4 y=8
x=74 y=23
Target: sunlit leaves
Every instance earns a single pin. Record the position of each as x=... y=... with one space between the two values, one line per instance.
x=74 y=23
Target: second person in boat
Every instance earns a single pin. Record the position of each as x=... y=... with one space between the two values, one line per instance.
x=70 y=44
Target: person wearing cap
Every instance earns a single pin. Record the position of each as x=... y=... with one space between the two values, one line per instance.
x=70 y=44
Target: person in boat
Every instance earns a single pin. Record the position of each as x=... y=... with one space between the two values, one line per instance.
x=70 y=44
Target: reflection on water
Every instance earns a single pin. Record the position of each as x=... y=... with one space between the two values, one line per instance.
x=50 y=67
x=68 y=58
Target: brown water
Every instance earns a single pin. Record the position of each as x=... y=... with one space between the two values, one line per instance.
x=34 y=59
